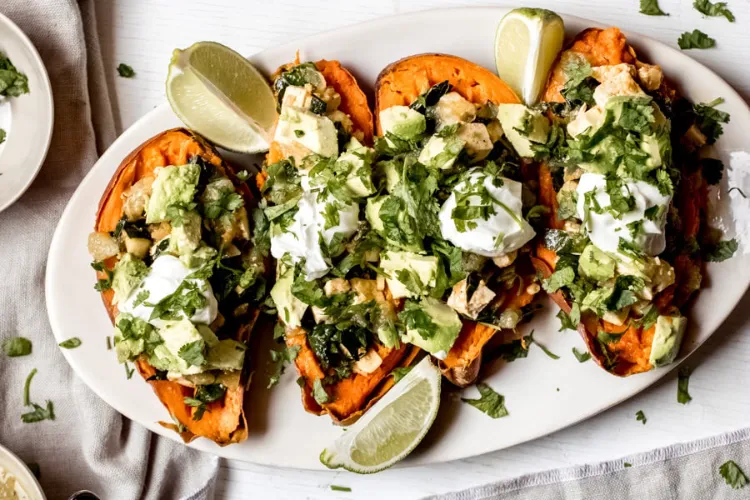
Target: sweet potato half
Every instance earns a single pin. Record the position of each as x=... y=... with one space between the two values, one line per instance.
x=399 y=84
x=224 y=422
x=349 y=397
x=608 y=47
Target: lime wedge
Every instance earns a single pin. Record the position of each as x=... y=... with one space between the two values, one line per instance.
x=219 y=94
x=393 y=427
x=527 y=42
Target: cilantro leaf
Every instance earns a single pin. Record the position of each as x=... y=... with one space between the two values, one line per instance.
x=27 y=387
x=542 y=347
x=13 y=83
x=102 y=284
x=733 y=475
x=125 y=71
x=319 y=392
x=335 y=487
x=709 y=119
x=16 y=346
x=400 y=372
x=559 y=279
x=720 y=251
x=489 y=402
x=651 y=8
x=717 y=9
x=226 y=204
x=414 y=318
x=582 y=357
x=518 y=348
x=192 y=353
x=695 y=39
x=279 y=361
x=39 y=413
x=569 y=321
x=683 y=379
x=609 y=338
x=204 y=394
x=640 y=416
x=579 y=84
x=71 y=343
x=2 y=136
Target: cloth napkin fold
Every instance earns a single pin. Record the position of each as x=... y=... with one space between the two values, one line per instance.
x=687 y=471
x=89 y=445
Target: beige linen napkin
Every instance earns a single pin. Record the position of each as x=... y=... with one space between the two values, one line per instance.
x=88 y=445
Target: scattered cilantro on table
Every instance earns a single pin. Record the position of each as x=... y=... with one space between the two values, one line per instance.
x=707 y=8
x=125 y=71
x=695 y=39
x=733 y=475
x=651 y=8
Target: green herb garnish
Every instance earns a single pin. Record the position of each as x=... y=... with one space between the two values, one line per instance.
x=125 y=71
x=13 y=83
x=651 y=8
x=717 y=9
x=582 y=357
x=683 y=379
x=16 y=346
x=279 y=361
x=695 y=39
x=71 y=343
x=489 y=402
x=640 y=416
x=733 y=475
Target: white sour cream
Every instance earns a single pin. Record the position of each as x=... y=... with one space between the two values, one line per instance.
x=605 y=230
x=164 y=277
x=502 y=232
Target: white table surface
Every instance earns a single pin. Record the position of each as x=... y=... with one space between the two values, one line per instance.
x=143 y=33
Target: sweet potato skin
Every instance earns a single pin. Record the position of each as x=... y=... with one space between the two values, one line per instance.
x=606 y=47
x=224 y=422
x=404 y=80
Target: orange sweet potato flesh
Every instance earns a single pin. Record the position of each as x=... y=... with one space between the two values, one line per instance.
x=400 y=83
x=224 y=422
x=353 y=103
x=607 y=47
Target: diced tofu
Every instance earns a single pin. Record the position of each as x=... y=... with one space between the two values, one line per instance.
x=319 y=315
x=650 y=75
x=615 y=80
x=453 y=108
x=368 y=363
x=366 y=290
x=505 y=259
x=136 y=198
x=477 y=140
x=471 y=307
x=297 y=97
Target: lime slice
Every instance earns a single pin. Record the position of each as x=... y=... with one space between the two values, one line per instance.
x=527 y=42
x=219 y=94
x=393 y=427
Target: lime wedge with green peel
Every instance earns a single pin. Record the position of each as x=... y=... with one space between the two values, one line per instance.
x=527 y=42
x=219 y=94
x=393 y=427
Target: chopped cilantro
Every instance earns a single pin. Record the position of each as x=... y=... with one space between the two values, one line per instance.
x=187 y=299
x=204 y=394
x=542 y=347
x=640 y=416
x=579 y=84
x=683 y=379
x=720 y=251
x=627 y=464
x=489 y=402
x=651 y=8
x=16 y=346
x=400 y=372
x=2 y=136
x=27 y=387
x=228 y=202
x=125 y=71
x=39 y=413
x=192 y=353
x=319 y=392
x=709 y=119
x=717 y=9
x=279 y=360
x=518 y=348
x=733 y=475
x=71 y=343
x=582 y=357
x=13 y=83
x=609 y=338
x=102 y=284
x=695 y=39
x=559 y=279
x=569 y=321
x=335 y=487
x=128 y=371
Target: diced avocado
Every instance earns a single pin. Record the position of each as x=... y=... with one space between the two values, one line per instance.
x=359 y=180
x=199 y=257
x=127 y=349
x=130 y=345
x=657 y=273
x=476 y=140
x=128 y=274
x=403 y=122
x=227 y=355
x=667 y=339
x=453 y=108
x=186 y=237
x=392 y=175
x=175 y=335
x=596 y=299
x=423 y=266
x=440 y=152
x=589 y=120
x=372 y=212
x=172 y=186
x=596 y=264
x=289 y=307
x=443 y=331
x=523 y=126
x=315 y=132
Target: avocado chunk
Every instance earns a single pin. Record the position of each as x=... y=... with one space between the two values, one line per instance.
x=226 y=355
x=128 y=274
x=402 y=121
x=290 y=308
x=130 y=346
x=392 y=176
x=522 y=127
x=186 y=237
x=667 y=340
x=441 y=152
x=359 y=179
x=372 y=212
x=596 y=264
x=431 y=325
x=172 y=186
x=418 y=272
x=314 y=132
x=170 y=355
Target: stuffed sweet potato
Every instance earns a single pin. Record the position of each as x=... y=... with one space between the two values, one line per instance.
x=461 y=136
x=181 y=279
x=626 y=202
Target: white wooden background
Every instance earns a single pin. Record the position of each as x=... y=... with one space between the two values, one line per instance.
x=143 y=33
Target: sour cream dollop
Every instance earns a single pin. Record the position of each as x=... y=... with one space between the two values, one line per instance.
x=301 y=239
x=164 y=277
x=503 y=231
x=605 y=230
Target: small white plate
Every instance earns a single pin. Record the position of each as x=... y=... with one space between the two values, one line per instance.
x=21 y=472
x=27 y=119
x=543 y=395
